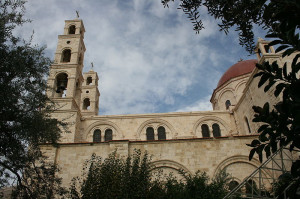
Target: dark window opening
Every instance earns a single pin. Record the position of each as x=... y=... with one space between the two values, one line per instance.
x=72 y=29
x=86 y=104
x=97 y=136
x=66 y=55
x=89 y=81
x=68 y=42
x=205 y=131
x=87 y=91
x=227 y=104
x=161 y=133
x=108 y=135
x=233 y=184
x=61 y=84
x=248 y=125
x=216 y=130
x=150 y=133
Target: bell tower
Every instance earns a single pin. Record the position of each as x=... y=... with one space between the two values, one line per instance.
x=90 y=94
x=65 y=78
x=264 y=52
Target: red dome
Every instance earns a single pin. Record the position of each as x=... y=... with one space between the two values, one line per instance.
x=238 y=69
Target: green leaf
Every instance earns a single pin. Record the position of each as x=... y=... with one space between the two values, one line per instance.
x=294 y=64
x=274 y=146
x=251 y=153
x=274 y=42
x=280 y=48
x=255 y=143
x=257 y=109
x=279 y=89
x=262 y=127
x=267 y=150
x=284 y=70
x=262 y=80
x=260 y=156
x=266 y=108
x=258 y=74
x=271 y=83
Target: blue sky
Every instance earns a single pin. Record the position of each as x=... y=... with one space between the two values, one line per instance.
x=148 y=58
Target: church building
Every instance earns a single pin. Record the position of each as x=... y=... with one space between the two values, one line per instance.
x=208 y=141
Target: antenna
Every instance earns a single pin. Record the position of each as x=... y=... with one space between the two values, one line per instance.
x=92 y=65
x=77 y=13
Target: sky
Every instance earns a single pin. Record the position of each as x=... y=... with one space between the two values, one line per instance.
x=148 y=58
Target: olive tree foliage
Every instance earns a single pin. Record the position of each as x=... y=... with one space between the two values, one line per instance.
x=134 y=178
x=24 y=110
x=280 y=124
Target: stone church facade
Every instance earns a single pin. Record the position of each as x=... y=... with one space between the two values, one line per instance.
x=199 y=140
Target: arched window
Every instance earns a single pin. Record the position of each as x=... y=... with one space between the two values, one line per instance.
x=72 y=29
x=205 y=131
x=86 y=104
x=97 y=136
x=248 y=125
x=108 y=135
x=227 y=104
x=216 y=130
x=150 y=133
x=161 y=133
x=61 y=84
x=232 y=184
x=89 y=81
x=66 y=55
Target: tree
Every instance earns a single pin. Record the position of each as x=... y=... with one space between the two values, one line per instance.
x=280 y=124
x=24 y=110
x=114 y=177
x=133 y=178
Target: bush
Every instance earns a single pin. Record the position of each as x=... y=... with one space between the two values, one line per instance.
x=133 y=177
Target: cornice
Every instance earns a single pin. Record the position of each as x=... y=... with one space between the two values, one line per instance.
x=158 y=115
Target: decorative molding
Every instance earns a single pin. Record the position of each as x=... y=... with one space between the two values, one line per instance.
x=169 y=164
x=161 y=121
x=98 y=123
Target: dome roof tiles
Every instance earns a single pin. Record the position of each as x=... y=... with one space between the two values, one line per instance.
x=238 y=69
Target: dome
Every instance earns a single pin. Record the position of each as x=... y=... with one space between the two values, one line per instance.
x=238 y=69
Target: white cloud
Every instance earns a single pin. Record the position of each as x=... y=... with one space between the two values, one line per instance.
x=147 y=56
x=201 y=105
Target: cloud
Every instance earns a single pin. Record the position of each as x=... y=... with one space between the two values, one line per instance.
x=147 y=57
x=201 y=105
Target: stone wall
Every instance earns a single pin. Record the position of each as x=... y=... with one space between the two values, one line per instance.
x=204 y=154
